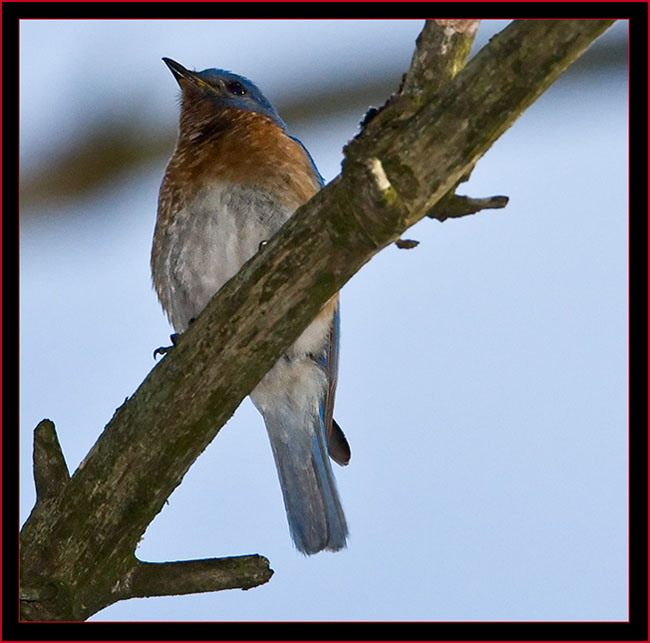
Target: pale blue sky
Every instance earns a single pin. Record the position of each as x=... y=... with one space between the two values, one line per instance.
x=483 y=382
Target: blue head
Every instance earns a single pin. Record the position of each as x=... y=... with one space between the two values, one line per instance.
x=217 y=90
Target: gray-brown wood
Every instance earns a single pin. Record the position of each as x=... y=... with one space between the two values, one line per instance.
x=77 y=548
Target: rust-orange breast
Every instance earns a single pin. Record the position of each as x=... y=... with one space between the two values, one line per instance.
x=246 y=148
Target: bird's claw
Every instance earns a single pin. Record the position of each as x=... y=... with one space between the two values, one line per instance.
x=163 y=350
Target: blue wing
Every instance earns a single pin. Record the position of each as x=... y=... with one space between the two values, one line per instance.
x=337 y=444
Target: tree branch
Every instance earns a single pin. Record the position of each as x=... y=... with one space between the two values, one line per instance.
x=394 y=174
x=192 y=576
x=440 y=53
x=50 y=470
x=453 y=206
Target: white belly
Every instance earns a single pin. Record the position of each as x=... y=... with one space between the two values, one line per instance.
x=208 y=242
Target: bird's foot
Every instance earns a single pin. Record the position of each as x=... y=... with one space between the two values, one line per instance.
x=163 y=350
x=175 y=339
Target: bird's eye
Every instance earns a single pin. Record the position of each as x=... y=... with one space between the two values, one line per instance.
x=236 y=88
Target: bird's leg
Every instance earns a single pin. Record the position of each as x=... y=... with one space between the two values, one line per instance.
x=175 y=338
x=163 y=350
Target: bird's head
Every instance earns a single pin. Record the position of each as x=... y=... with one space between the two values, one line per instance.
x=216 y=90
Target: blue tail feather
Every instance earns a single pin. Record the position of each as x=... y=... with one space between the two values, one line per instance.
x=314 y=511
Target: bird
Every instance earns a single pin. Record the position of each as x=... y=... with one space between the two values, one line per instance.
x=234 y=178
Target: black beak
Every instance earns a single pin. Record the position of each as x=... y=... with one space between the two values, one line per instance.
x=180 y=73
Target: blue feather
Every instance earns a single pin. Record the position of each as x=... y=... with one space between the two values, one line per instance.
x=314 y=511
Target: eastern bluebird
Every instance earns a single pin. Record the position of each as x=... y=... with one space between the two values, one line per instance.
x=234 y=178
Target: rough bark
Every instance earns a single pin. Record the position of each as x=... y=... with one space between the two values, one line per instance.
x=77 y=547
